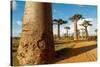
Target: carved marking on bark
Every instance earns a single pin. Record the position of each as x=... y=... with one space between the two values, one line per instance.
x=34 y=46
x=41 y=44
x=26 y=30
x=26 y=50
x=26 y=45
x=22 y=55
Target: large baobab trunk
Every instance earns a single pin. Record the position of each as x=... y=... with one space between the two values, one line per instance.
x=86 y=33
x=67 y=32
x=58 y=30
x=82 y=34
x=78 y=32
x=75 y=31
x=36 y=44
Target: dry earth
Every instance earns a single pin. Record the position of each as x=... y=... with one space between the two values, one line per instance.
x=82 y=52
x=67 y=51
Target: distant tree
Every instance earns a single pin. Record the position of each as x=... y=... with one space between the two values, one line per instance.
x=59 y=22
x=78 y=33
x=95 y=34
x=55 y=36
x=67 y=28
x=75 y=18
x=82 y=33
x=95 y=31
x=85 y=24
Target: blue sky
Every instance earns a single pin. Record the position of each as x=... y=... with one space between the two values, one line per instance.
x=17 y=15
x=63 y=11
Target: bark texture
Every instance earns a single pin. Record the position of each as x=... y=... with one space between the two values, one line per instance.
x=75 y=31
x=58 y=30
x=36 y=45
x=86 y=37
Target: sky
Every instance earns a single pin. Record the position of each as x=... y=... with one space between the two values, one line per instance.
x=17 y=15
x=63 y=11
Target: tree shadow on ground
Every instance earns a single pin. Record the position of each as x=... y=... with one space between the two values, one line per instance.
x=66 y=53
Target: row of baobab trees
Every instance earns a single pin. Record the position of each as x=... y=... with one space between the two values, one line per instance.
x=75 y=18
x=36 y=45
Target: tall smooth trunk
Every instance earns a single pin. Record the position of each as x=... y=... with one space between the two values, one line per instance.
x=82 y=35
x=75 y=31
x=36 y=45
x=58 y=30
x=67 y=32
x=86 y=33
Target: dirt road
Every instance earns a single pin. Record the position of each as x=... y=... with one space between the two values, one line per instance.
x=81 y=52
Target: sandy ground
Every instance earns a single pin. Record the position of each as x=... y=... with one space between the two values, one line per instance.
x=81 y=52
x=67 y=51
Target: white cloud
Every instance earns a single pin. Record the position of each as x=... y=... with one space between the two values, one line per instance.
x=55 y=31
x=90 y=19
x=19 y=23
x=90 y=28
x=71 y=27
x=62 y=31
x=71 y=31
x=17 y=28
x=14 y=4
x=80 y=22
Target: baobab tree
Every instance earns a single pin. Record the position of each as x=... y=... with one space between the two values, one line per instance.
x=75 y=18
x=36 y=45
x=82 y=33
x=85 y=24
x=78 y=30
x=95 y=34
x=67 y=28
x=95 y=31
x=59 y=22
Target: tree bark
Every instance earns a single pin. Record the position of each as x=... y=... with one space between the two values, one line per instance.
x=67 y=32
x=75 y=31
x=58 y=30
x=36 y=45
x=86 y=33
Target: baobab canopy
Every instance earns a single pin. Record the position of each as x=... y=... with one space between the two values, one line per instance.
x=59 y=21
x=76 y=17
